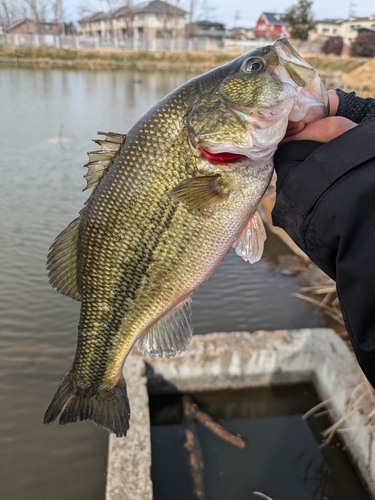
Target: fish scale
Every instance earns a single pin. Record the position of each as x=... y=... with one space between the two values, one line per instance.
x=160 y=219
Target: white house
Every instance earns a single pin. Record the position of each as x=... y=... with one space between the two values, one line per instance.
x=146 y=21
x=347 y=29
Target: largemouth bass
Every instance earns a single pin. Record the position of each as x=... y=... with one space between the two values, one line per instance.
x=169 y=201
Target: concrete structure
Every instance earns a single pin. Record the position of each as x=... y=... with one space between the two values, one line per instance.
x=238 y=360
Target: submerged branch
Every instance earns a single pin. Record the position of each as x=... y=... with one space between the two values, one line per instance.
x=205 y=419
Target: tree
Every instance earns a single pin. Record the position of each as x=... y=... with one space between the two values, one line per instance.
x=198 y=9
x=364 y=44
x=10 y=11
x=300 y=19
x=333 y=45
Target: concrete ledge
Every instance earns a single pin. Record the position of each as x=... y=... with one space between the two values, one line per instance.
x=236 y=360
x=129 y=458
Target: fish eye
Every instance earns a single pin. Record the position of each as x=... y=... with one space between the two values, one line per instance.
x=254 y=65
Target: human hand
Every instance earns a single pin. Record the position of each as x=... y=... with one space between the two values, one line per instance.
x=322 y=130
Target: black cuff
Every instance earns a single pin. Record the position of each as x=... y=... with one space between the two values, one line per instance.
x=357 y=109
x=289 y=156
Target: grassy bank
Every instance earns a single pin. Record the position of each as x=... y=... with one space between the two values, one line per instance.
x=46 y=56
x=149 y=59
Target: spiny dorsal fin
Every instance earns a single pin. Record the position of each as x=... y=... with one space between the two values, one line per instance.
x=62 y=261
x=200 y=192
x=171 y=334
x=100 y=161
x=250 y=243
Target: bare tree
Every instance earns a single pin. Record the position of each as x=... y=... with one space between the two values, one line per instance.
x=37 y=10
x=198 y=9
x=129 y=18
x=109 y=7
x=10 y=11
x=57 y=8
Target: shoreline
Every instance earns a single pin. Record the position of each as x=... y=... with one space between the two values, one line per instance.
x=114 y=59
x=142 y=59
x=348 y=73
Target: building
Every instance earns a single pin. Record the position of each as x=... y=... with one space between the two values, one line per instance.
x=146 y=21
x=329 y=27
x=347 y=29
x=241 y=33
x=206 y=29
x=158 y=19
x=29 y=27
x=270 y=26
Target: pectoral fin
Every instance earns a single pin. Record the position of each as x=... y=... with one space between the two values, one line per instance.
x=249 y=245
x=200 y=192
x=171 y=334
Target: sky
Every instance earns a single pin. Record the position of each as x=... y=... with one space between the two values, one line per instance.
x=244 y=13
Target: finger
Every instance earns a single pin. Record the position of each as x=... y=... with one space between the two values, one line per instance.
x=333 y=102
x=323 y=130
x=294 y=128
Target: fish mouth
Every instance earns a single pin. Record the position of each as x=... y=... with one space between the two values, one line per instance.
x=223 y=156
x=311 y=98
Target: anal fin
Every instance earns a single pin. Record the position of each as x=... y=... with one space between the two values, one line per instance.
x=170 y=335
x=250 y=243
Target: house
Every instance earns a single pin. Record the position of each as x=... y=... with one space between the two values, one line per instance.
x=29 y=27
x=241 y=33
x=354 y=24
x=93 y=25
x=347 y=29
x=329 y=27
x=146 y=21
x=158 y=19
x=206 y=29
x=270 y=26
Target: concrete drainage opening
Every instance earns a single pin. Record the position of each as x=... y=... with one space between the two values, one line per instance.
x=257 y=385
x=282 y=458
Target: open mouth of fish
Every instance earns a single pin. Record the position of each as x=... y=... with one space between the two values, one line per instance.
x=224 y=157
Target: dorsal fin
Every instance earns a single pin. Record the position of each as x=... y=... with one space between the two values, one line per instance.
x=62 y=262
x=170 y=335
x=100 y=161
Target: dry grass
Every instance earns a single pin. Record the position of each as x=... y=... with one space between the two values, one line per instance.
x=361 y=399
x=325 y=297
x=360 y=402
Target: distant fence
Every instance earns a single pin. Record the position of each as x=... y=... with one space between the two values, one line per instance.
x=81 y=42
x=205 y=44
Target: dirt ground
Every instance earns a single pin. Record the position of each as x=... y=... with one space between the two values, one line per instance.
x=362 y=79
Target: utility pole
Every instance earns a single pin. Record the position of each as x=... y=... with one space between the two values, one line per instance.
x=351 y=10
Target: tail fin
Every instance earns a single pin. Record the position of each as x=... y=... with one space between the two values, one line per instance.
x=108 y=407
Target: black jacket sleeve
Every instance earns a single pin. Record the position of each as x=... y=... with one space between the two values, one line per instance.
x=325 y=200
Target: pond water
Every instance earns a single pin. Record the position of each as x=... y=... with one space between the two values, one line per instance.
x=282 y=457
x=48 y=117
